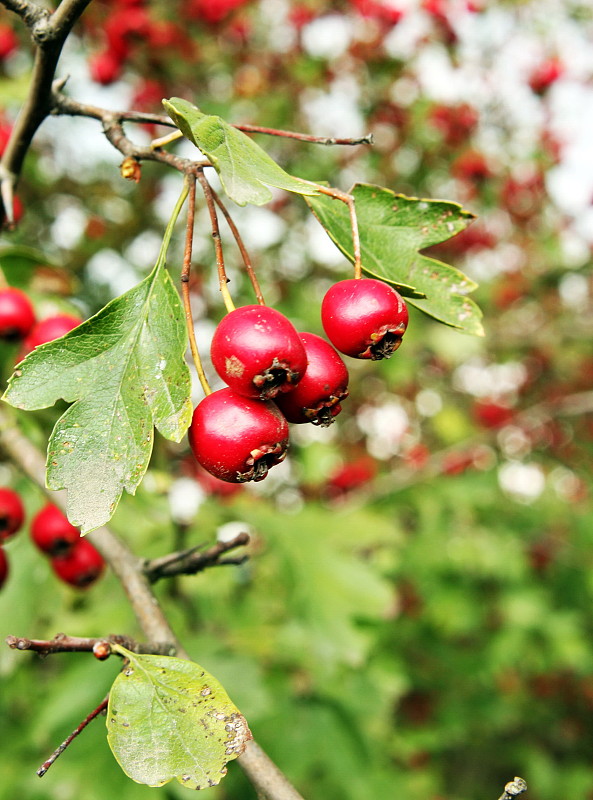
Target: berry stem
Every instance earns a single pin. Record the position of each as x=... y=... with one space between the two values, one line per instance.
x=162 y=257
x=222 y=277
x=189 y=239
x=3 y=281
x=59 y=750
x=168 y=138
x=242 y=248
x=349 y=200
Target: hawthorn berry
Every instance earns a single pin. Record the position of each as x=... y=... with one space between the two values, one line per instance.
x=52 y=533
x=364 y=318
x=12 y=513
x=257 y=351
x=49 y=329
x=17 y=317
x=317 y=396
x=81 y=566
x=105 y=67
x=350 y=476
x=8 y=41
x=236 y=438
x=3 y=567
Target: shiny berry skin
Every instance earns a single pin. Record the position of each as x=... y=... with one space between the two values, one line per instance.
x=52 y=533
x=12 y=513
x=317 y=396
x=257 y=351
x=49 y=329
x=3 y=567
x=236 y=438
x=81 y=566
x=16 y=314
x=364 y=318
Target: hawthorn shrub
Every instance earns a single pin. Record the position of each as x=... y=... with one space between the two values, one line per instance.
x=403 y=603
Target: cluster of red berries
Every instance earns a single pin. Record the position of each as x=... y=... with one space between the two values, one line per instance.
x=276 y=375
x=12 y=516
x=132 y=27
x=73 y=559
x=18 y=322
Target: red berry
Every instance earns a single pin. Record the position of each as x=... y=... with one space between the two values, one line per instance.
x=52 y=533
x=8 y=41
x=352 y=475
x=12 y=513
x=3 y=567
x=16 y=314
x=364 y=318
x=49 y=329
x=545 y=75
x=318 y=394
x=105 y=67
x=237 y=439
x=258 y=352
x=81 y=566
x=492 y=415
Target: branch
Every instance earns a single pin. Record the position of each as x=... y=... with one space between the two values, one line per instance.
x=60 y=749
x=49 y=33
x=29 y=12
x=265 y=776
x=61 y=643
x=513 y=788
x=190 y=562
x=305 y=137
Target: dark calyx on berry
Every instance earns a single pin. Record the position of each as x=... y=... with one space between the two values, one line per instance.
x=324 y=416
x=384 y=344
x=260 y=462
x=324 y=385
x=278 y=377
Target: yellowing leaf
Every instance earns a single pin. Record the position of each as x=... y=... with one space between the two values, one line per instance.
x=168 y=718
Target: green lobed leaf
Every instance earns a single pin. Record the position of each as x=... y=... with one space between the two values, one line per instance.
x=246 y=171
x=168 y=718
x=124 y=372
x=393 y=228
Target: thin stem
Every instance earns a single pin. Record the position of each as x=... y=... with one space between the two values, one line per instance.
x=349 y=200
x=59 y=750
x=222 y=277
x=185 y=272
x=190 y=561
x=162 y=257
x=304 y=137
x=162 y=141
x=244 y=254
